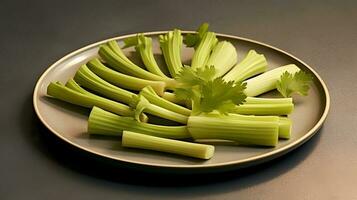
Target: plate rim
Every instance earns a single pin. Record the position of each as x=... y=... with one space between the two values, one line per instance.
x=247 y=161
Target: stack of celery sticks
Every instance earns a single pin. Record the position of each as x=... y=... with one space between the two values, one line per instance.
x=212 y=99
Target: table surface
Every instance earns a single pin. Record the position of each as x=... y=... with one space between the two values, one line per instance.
x=36 y=165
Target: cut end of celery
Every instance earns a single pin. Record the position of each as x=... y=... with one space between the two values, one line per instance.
x=285 y=126
x=142 y=141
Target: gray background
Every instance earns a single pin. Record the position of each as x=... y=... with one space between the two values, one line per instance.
x=34 y=34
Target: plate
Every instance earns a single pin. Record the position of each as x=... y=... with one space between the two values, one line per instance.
x=69 y=122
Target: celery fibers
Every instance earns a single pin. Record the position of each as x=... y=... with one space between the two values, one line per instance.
x=142 y=141
x=105 y=123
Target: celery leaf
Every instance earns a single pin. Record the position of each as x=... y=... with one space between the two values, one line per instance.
x=208 y=93
x=192 y=40
x=298 y=82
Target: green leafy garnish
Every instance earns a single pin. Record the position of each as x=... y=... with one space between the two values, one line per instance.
x=192 y=40
x=298 y=82
x=208 y=93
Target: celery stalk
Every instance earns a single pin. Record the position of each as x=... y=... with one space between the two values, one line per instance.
x=63 y=93
x=153 y=98
x=144 y=47
x=123 y=80
x=264 y=109
x=203 y=51
x=142 y=141
x=250 y=66
x=268 y=80
x=88 y=79
x=245 y=131
x=258 y=100
x=284 y=127
x=141 y=104
x=113 y=55
x=171 y=45
x=72 y=84
x=172 y=98
x=223 y=57
x=105 y=123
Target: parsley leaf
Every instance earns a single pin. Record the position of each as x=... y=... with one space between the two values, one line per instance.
x=294 y=83
x=208 y=93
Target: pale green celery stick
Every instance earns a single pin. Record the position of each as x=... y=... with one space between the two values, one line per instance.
x=88 y=79
x=142 y=141
x=105 y=123
x=284 y=122
x=284 y=127
x=203 y=51
x=267 y=81
x=113 y=55
x=63 y=93
x=72 y=84
x=123 y=80
x=223 y=57
x=144 y=47
x=130 y=42
x=172 y=98
x=250 y=66
x=171 y=45
x=245 y=131
x=264 y=109
x=141 y=104
x=258 y=100
x=153 y=98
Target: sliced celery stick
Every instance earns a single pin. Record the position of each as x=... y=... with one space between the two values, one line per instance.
x=267 y=81
x=284 y=127
x=153 y=98
x=141 y=104
x=247 y=131
x=105 y=123
x=113 y=55
x=203 y=51
x=142 y=141
x=63 y=93
x=89 y=80
x=172 y=98
x=123 y=80
x=264 y=109
x=250 y=66
x=223 y=57
x=144 y=47
x=75 y=86
x=171 y=45
x=257 y=100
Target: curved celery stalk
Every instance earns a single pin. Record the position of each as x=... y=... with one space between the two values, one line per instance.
x=88 y=79
x=171 y=45
x=264 y=109
x=113 y=55
x=144 y=47
x=223 y=57
x=123 y=80
x=153 y=98
x=142 y=141
x=267 y=81
x=141 y=104
x=63 y=93
x=250 y=66
x=203 y=51
x=258 y=100
x=284 y=127
x=254 y=132
x=172 y=98
x=105 y=123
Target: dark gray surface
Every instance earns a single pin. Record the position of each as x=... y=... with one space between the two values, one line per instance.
x=34 y=34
